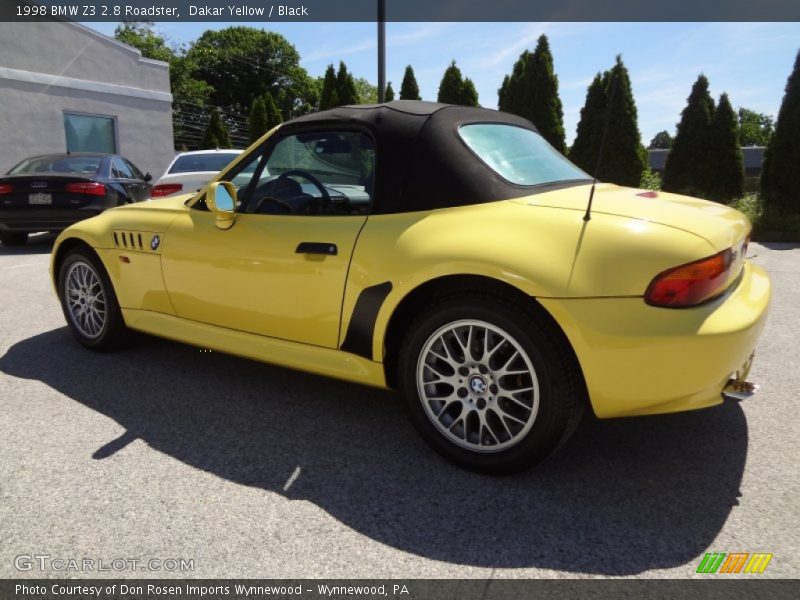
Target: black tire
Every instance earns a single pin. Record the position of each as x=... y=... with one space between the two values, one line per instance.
x=13 y=238
x=561 y=391
x=113 y=332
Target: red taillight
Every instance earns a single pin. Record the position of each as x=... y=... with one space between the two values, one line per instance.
x=165 y=189
x=6 y=188
x=691 y=284
x=91 y=188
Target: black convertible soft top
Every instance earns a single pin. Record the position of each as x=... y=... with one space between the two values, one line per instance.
x=422 y=163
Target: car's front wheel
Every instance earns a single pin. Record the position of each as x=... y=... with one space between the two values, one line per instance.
x=13 y=238
x=89 y=302
x=491 y=386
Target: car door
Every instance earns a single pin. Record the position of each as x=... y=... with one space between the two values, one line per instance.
x=144 y=186
x=280 y=271
x=121 y=171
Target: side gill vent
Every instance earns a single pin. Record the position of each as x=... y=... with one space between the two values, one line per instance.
x=131 y=240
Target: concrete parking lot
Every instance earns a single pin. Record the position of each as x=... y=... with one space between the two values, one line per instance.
x=163 y=451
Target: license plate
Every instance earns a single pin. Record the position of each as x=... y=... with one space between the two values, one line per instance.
x=40 y=198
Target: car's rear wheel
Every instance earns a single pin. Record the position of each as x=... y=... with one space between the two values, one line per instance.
x=89 y=302
x=489 y=385
x=13 y=238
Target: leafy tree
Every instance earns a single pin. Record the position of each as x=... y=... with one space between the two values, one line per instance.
x=531 y=91
x=780 y=177
x=586 y=147
x=141 y=36
x=409 y=90
x=366 y=92
x=329 y=97
x=216 y=135
x=273 y=113
x=661 y=141
x=346 y=86
x=258 y=119
x=240 y=63
x=622 y=158
x=755 y=128
x=686 y=170
x=388 y=95
x=454 y=89
x=726 y=169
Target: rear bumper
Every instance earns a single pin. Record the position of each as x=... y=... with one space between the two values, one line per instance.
x=44 y=219
x=639 y=360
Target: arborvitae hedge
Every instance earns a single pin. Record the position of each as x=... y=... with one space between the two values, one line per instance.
x=621 y=159
x=687 y=169
x=409 y=90
x=780 y=177
x=329 y=97
x=531 y=91
x=258 y=119
x=725 y=165
x=216 y=135
x=586 y=147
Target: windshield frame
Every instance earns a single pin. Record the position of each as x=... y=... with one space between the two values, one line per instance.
x=523 y=186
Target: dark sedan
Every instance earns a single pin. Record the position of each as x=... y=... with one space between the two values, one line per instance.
x=50 y=193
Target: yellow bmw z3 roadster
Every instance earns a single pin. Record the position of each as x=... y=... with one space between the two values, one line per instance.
x=446 y=252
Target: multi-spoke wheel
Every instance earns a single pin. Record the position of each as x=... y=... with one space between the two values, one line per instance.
x=88 y=300
x=490 y=385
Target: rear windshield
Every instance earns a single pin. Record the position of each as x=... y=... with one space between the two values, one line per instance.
x=84 y=165
x=203 y=162
x=520 y=156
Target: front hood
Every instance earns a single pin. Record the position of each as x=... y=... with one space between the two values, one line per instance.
x=718 y=224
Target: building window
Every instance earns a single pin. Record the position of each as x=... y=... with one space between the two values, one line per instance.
x=89 y=133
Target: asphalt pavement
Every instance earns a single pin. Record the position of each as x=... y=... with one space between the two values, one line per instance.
x=161 y=451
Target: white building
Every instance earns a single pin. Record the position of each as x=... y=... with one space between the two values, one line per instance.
x=64 y=87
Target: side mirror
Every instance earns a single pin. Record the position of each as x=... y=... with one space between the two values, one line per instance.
x=221 y=200
x=148 y=178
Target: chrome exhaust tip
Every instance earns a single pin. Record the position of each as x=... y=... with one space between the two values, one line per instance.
x=738 y=390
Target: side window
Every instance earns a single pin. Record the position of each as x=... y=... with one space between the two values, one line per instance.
x=120 y=170
x=137 y=174
x=319 y=173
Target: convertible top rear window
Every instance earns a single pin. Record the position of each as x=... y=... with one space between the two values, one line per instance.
x=518 y=155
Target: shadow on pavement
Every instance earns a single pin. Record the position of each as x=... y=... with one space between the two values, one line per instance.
x=38 y=243
x=622 y=497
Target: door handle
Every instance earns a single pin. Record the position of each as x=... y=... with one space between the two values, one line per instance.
x=317 y=248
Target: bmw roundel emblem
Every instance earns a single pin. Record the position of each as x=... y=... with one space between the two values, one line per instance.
x=154 y=243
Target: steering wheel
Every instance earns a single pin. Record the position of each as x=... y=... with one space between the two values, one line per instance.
x=326 y=197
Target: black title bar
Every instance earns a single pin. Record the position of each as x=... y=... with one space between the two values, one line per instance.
x=401 y=10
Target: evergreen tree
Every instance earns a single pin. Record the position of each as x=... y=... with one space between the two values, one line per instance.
x=450 y=88
x=346 y=86
x=216 y=135
x=586 y=147
x=780 y=177
x=726 y=170
x=329 y=97
x=546 y=110
x=258 y=119
x=273 y=113
x=531 y=91
x=686 y=170
x=469 y=95
x=409 y=90
x=622 y=156
x=388 y=95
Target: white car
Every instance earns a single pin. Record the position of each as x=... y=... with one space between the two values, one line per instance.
x=190 y=171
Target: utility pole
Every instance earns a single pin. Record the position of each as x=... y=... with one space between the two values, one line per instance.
x=381 y=50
